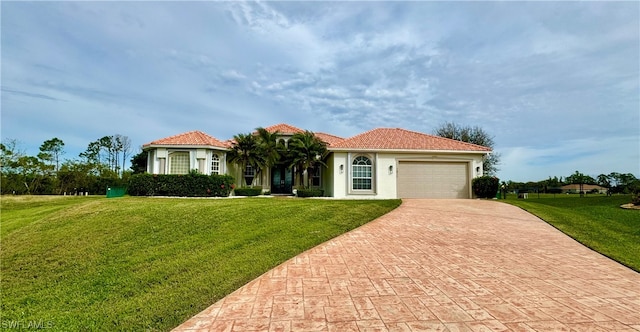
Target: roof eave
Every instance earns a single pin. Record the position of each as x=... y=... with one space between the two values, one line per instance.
x=184 y=146
x=332 y=149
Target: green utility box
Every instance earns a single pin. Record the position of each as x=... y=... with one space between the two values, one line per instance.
x=116 y=192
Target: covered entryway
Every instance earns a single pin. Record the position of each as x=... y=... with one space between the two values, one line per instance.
x=281 y=180
x=426 y=179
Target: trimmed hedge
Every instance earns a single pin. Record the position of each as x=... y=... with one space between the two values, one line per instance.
x=310 y=192
x=251 y=191
x=189 y=185
x=486 y=186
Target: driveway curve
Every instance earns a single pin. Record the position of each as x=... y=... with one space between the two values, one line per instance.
x=438 y=265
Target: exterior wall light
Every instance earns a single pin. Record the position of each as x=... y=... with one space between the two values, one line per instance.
x=390 y=169
x=341 y=169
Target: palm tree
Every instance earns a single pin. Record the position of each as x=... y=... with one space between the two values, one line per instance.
x=579 y=179
x=268 y=147
x=245 y=152
x=307 y=152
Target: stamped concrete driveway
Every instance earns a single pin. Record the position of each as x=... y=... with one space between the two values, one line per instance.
x=438 y=265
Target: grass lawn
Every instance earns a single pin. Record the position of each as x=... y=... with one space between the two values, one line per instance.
x=91 y=263
x=597 y=221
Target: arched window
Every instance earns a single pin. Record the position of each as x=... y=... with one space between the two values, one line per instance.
x=361 y=175
x=179 y=163
x=215 y=164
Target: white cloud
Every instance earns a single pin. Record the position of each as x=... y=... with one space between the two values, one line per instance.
x=532 y=74
x=232 y=74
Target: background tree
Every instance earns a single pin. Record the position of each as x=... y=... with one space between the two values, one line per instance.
x=125 y=149
x=625 y=183
x=139 y=162
x=554 y=182
x=10 y=181
x=104 y=155
x=92 y=159
x=579 y=179
x=614 y=177
x=474 y=135
x=33 y=174
x=307 y=152
x=76 y=177
x=51 y=151
x=9 y=155
x=603 y=181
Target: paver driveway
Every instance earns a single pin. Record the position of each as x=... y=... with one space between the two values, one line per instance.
x=438 y=265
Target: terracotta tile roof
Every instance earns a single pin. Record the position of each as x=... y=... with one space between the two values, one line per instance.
x=284 y=129
x=329 y=139
x=401 y=139
x=190 y=138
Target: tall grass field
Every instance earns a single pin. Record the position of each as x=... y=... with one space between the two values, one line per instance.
x=134 y=263
x=597 y=221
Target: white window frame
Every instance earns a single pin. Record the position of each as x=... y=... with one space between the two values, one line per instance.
x=215 y=164
x=353 y=171
x=176 y=154
x=249 y=171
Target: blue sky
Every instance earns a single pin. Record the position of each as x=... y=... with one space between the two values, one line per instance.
x=556 y=83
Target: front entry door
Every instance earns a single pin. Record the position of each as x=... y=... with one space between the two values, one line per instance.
x=281 y=180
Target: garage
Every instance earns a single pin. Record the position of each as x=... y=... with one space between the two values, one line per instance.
x=425 y=179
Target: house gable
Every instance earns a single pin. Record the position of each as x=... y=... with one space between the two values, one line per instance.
x=191 y=138
x=284 y=129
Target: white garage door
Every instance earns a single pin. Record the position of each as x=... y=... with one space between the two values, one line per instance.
x=433 y=180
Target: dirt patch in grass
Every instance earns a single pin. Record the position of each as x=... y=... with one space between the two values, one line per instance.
x=630 y=206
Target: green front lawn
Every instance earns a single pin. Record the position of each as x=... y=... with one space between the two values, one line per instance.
x=91 y=263
x=597 y=221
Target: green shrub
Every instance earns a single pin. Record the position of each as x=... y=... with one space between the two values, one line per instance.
x=249 y=191
x=310 y=192
x=189 y=185
x=486 y=186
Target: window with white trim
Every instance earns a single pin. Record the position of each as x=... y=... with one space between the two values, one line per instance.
x=315 y=177
x=179 y=163
x=249 y=171
x=362 y=173
x=215 y=164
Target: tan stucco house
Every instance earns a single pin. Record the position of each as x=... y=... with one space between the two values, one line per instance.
x=381 y=163
x=587 y=188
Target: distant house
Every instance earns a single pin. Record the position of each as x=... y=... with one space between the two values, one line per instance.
x=587 y=188
x=381 y=163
